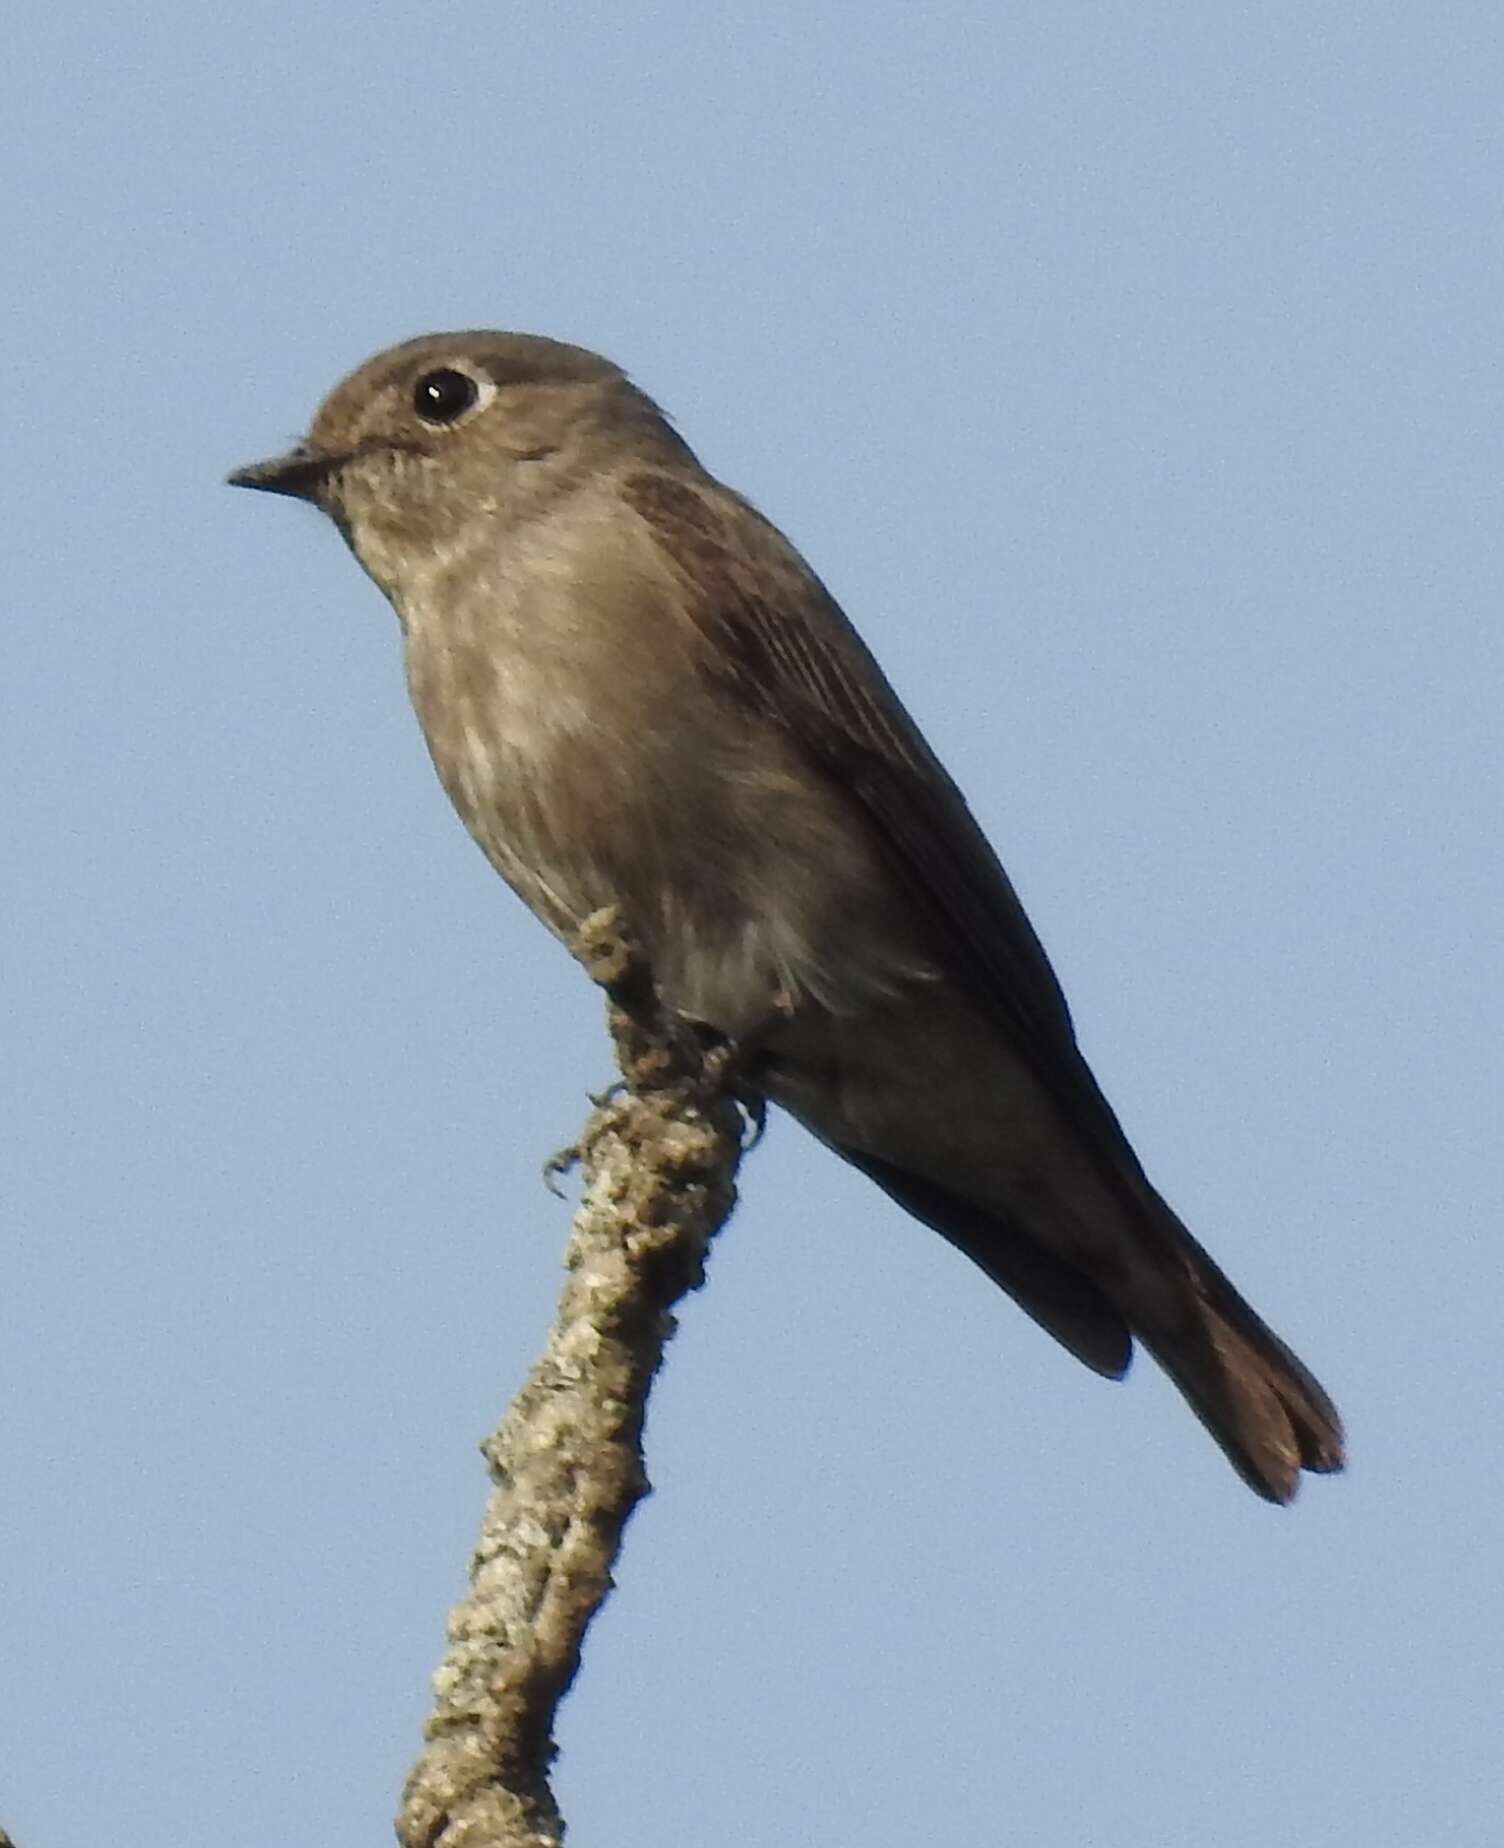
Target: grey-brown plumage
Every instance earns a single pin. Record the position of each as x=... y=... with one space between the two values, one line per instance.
x=637 y=693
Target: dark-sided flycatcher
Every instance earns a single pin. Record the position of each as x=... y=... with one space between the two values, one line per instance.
x=638 y=694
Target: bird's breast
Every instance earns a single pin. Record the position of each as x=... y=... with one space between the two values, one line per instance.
x=589 y=749
x=557 y=703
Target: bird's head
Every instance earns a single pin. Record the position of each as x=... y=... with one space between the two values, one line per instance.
x=446 y=430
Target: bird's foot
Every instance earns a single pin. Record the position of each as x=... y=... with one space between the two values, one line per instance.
x=754 y=1107
x=560 y=1163
x=723 y=1067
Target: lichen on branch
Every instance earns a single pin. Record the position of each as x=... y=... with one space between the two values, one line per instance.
x=658 y=1159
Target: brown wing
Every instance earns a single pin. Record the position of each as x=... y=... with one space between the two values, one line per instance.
x=782 y=646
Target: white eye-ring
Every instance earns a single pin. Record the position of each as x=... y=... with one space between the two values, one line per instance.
x=446 y=395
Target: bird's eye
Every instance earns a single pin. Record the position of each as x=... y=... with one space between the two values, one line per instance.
x=444 y=396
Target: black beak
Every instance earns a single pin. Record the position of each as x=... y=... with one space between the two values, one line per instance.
x=301 y=473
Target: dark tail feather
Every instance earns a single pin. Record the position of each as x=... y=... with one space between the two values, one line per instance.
x=1268 y=1411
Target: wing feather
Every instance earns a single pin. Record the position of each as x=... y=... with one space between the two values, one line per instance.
x=778 y=643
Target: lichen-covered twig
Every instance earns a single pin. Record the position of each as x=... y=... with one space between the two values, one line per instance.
x=659 y=1161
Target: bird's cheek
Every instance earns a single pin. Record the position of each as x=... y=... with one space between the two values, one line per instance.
x=380 y=551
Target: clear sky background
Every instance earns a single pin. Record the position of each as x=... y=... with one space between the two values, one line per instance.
x=1131 y=373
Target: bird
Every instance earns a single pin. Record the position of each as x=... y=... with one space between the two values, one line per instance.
x=637 y=694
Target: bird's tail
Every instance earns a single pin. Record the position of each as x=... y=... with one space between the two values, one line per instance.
x=1266 y=1410
x=1263 y=1406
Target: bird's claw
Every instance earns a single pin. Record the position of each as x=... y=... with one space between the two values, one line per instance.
x=560 y=1163
x=754 y=1107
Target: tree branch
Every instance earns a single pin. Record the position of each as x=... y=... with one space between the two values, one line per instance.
x=659 y=1161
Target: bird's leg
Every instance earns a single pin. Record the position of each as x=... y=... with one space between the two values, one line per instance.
x=725 y=1068
x=658 y=1045
x=734 y=1064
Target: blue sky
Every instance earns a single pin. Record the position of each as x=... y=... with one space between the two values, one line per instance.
x=1131 y=374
